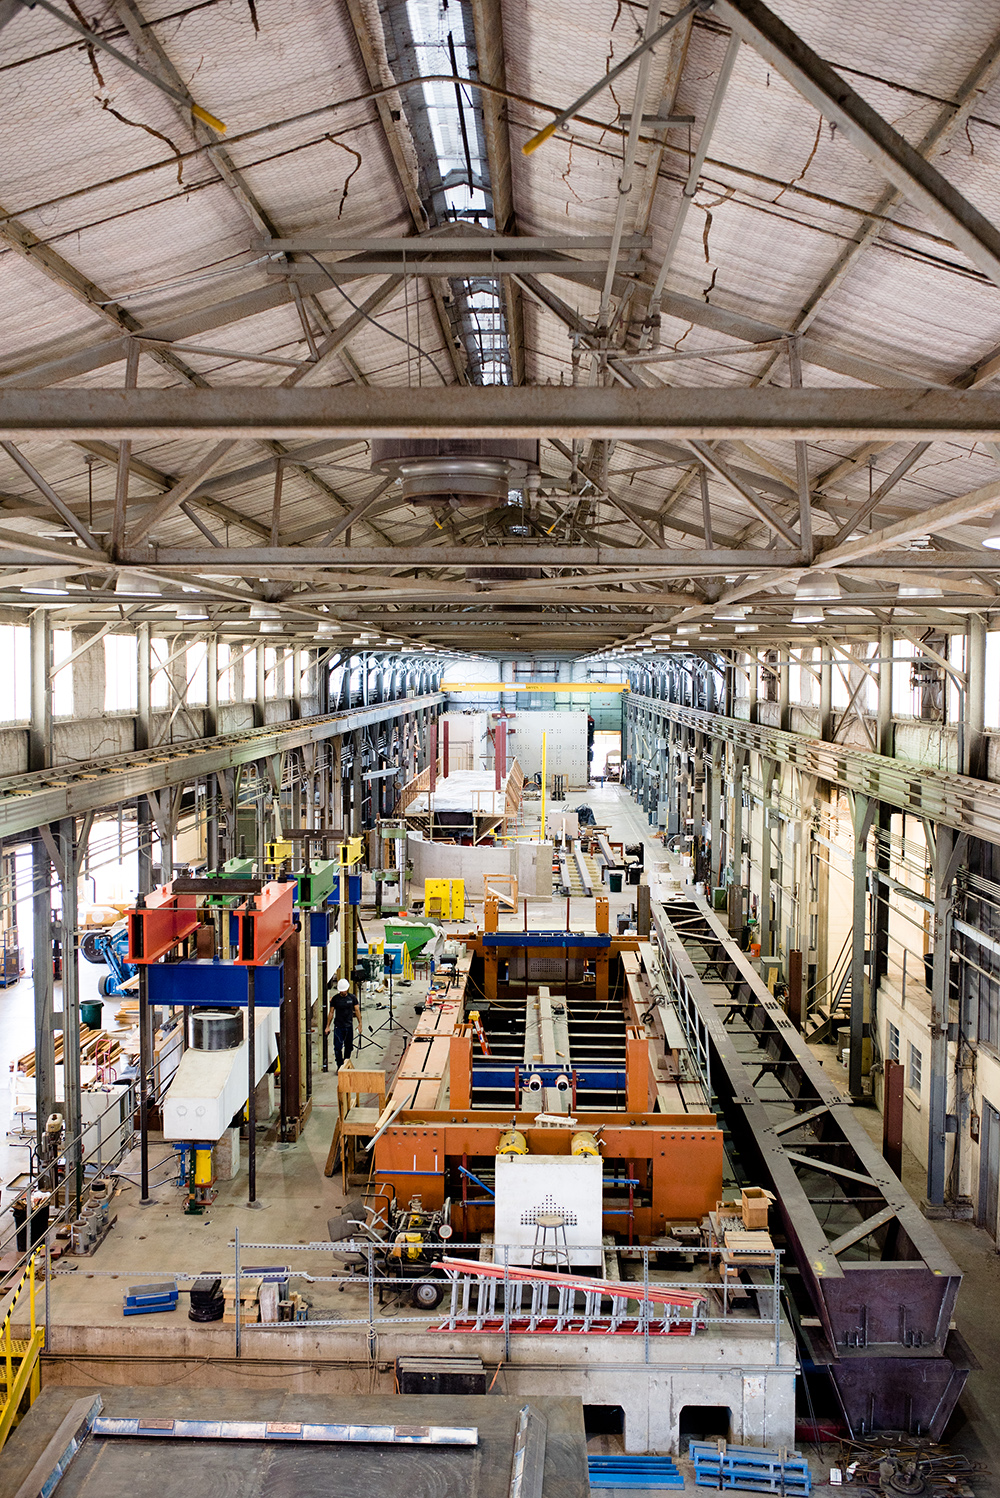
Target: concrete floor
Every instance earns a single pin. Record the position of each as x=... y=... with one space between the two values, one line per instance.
x=298 y=1199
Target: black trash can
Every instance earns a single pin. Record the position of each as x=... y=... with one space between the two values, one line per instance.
x=39 y=1221
x=615 y=882
x=634 y=873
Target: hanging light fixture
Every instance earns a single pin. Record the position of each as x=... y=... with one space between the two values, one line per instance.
x=808 y=613
x=730 y=613
x=137 y=584
x=919 y=590
x=822 y=587
x=269 y=618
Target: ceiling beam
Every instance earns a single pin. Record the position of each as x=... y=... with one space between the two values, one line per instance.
x=353 y=413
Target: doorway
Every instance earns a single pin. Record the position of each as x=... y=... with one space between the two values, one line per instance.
x=989 y=1169
x=703 y=1422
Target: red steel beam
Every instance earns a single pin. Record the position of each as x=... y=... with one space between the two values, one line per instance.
x=266 y=921
x=158 y=922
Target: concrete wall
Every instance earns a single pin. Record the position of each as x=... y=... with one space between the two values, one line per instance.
x=565 y=744
x=531 y=862
x=736 y=1371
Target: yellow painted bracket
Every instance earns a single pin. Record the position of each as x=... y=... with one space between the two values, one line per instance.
x=587 y=688
x=277 y=852
x=351 y=852
x=207 y=119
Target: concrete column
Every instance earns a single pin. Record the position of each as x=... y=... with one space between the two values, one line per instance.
x=260 y=695
x=861 y=815
x=736 y=904
x=71 y=1001
x=212 y=692
x=753 y=677
x=784 y=705
x=947 y=856
x=299 y=659
x=767 y=932
x=45 y=1064
x=40 y=726
x=884 y=732
x=975 y=747
x=143 y=730
x=717 y=793
x=356 y=785
x=826 y=695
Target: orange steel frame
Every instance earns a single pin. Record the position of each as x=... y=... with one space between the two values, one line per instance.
x=676 y=1158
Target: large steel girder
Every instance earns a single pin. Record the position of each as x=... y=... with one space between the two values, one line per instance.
x=878 y=1315
x=959 y=801
x=44 y=796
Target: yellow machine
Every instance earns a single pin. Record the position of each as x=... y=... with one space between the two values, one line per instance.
x=583 y=1143
x=201 y=1181
x=512 y=1143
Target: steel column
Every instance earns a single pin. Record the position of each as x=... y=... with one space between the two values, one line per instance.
x=69 y=852
x=862 y=813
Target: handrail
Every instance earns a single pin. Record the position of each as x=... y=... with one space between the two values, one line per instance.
x=26 y=1379
x=831 y=984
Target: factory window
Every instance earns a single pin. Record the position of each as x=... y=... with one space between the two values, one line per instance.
x=703 y=1422
x=196 y=673
x=119 y=673
x=250 y=673
x=274 y=673
x=15 y=673
x=992 y=706
x=62 y=683
x=892 y=1042
x=902 y=688
x=916 y=1068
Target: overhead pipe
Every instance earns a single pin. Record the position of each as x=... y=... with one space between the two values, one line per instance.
x=652 y=325
x=628 y=164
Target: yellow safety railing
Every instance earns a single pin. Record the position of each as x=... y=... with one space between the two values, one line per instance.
x=22 y=1372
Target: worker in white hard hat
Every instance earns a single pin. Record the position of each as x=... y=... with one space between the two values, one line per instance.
x=344 y=1010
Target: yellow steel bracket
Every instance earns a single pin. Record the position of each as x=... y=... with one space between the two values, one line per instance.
x=277 y=852
x=351 y=852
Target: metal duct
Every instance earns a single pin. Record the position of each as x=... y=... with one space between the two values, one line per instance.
x=459 y=472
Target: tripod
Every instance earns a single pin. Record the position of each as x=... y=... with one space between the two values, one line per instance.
x=390 y=1023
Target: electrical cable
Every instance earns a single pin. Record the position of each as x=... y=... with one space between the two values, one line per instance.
x=374 y=322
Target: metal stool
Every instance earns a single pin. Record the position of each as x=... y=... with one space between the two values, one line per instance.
x=550 y=1225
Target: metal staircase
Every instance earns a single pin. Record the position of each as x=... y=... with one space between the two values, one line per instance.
x=830 y=1001
x=19 y=1370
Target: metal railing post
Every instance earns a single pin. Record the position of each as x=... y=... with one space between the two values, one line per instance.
x=777 y=1309
x=506 y=1303
x=48 y=1276
x=371 y=1304
x=238 y=1326
x=645 y=1304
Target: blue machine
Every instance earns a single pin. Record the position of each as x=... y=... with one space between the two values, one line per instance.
x=110 y=947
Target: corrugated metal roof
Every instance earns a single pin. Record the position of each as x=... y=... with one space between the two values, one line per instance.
x=114 y=217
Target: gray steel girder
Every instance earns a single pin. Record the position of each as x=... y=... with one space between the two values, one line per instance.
x=44 y=796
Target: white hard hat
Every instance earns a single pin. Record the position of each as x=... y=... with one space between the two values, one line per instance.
x=343 y=986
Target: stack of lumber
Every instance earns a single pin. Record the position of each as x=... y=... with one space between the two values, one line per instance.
x=249 y=1301
x=89 y=1042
